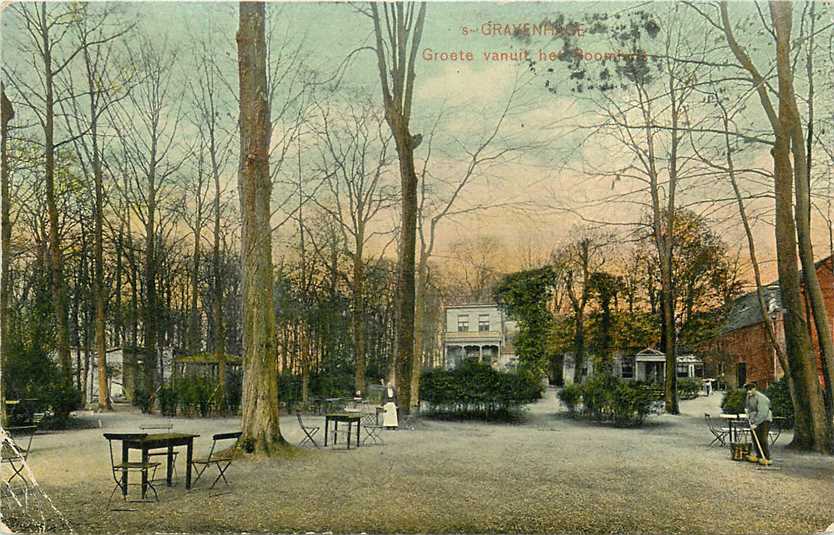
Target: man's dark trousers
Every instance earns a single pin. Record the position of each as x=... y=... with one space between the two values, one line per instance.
x=762 y=431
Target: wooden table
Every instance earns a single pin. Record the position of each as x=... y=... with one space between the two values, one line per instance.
x=156 y=441
x=349 y=418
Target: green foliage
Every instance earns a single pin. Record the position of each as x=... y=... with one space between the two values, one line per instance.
x=142 y=399
x=168 y=398
x=475 y=389
x=609 y=399
x=195 y=395
x=571 y=396
x=524 y=296
x=780 y=401
x=62 y=398
x=688 y=388
x=734 y=401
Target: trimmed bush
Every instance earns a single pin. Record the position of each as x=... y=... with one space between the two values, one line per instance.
x=609 y=399
x=688 y=388
x=570 y=396
x=475 y=389
x=734 y=401
x=780 y=401
x=168 y=401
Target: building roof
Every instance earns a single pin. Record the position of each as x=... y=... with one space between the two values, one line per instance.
x=745 y=310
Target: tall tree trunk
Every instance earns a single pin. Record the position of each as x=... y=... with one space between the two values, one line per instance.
x=151 y=309
x=419 y=329
x=358 y=317
x=801 y=169
x=56 y=261
x=99 y=290
x=751 y=247
x=791 y=132
x=217 y=294
x=6 y=115
x=194 y=330
x=811 y=426
x=260 y=426
x=397 y=100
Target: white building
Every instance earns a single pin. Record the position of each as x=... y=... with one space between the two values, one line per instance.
x=478 y=332
x=648 y=365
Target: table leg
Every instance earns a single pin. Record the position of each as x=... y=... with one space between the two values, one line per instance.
x=358 y=430
x=125 y=457
x=350 y=428
x=169 y=467
x=335 y=432
x=326 y=428
x=189 y=452
x=144 y=472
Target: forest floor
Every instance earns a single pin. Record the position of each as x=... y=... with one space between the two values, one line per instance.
x=546 y=474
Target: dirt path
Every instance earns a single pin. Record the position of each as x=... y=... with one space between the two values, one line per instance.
x=549 y=474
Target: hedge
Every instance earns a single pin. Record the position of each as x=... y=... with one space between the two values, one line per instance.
x=606 y=398
x=476 y=389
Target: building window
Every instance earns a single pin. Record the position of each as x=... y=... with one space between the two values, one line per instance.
x=483 y=322
x=683 y=370
x=463 y=323
x=627 y=369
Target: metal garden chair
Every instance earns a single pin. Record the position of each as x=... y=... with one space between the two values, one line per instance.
x=309 y=432
x=122 y=468
x=720 y=433
x=16 y=449
x=372 y=427
x=222 y=459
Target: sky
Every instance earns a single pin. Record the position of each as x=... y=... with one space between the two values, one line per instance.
x=462 y=77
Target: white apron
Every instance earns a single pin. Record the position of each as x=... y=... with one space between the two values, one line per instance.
x=389 y=418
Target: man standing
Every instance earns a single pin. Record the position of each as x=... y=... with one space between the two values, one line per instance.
x=758 y=411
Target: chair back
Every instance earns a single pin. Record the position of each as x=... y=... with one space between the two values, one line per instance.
x=167 y=427
x=20 y=442
x=220 y=437
x=111 y=437
x=300 y=423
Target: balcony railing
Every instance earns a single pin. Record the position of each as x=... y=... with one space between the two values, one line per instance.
x=463 y=336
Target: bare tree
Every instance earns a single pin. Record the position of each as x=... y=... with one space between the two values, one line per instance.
x=812 y=424
x=47 y=29
x=398 y=32
x=148 y=128
x=354 y=160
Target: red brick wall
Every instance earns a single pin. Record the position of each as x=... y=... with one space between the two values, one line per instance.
x=750 y=344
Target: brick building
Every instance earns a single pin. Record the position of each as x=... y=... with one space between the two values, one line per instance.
x=742 y=353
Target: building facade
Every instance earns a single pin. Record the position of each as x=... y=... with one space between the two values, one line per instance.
x=477 y=332
x=741 y=353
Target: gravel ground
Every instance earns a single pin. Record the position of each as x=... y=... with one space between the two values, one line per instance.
x=549 y=474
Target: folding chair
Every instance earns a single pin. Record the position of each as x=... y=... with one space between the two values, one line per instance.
x=163 y=452
x=222 y=460
x=121 y=468
x=309 y=432
x=372 y=428
x=775 y=429
x=16 y=450
x=720 y=433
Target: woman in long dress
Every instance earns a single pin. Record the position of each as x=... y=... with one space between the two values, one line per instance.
x=389 y=405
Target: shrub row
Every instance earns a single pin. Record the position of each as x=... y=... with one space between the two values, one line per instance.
x=192 y=396
x=476 y=389
x=609 y=399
